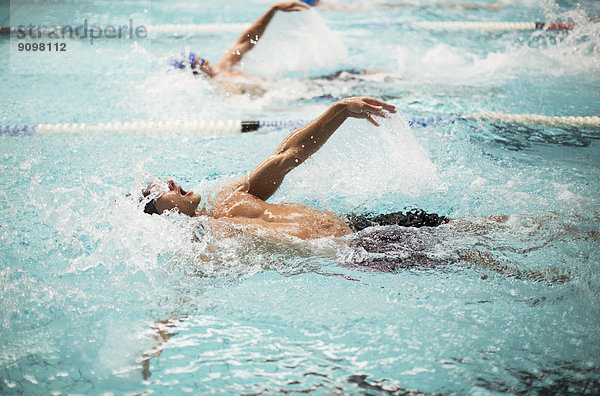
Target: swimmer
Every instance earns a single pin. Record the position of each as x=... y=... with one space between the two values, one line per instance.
x=241 y=207
x=243 y=202
x=223 y=71
x=234 y=82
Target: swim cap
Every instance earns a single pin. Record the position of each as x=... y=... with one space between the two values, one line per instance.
x=154 y=190
x=180 y=62
x=188 y=59
x=310 y=2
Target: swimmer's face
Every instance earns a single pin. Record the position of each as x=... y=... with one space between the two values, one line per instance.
x=205 y=66
x=186 y=202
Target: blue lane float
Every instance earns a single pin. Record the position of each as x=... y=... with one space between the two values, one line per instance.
x=239 y=126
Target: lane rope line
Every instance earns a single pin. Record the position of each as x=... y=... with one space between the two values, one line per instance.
x=239 y=126
x=503 y=26
x=181 y=29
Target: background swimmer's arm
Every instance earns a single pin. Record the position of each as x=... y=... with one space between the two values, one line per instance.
x=250 y=37
x=266 y=178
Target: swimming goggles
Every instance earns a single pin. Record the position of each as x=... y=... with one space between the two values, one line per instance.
x=157 y=189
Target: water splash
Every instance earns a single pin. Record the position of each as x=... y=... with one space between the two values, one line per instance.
x=554 y=54
x=363 y=165
x=295 y=43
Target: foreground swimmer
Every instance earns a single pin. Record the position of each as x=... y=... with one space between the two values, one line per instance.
x=243 y=202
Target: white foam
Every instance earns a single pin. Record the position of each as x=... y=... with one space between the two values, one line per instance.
x=543 y=53
x=362 y=163
x=298 y=42
x=177 y=94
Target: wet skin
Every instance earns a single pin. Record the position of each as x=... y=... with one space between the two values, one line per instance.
x=243 y=202
x=185 y=202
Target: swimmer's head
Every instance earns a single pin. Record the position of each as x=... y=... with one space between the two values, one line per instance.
x=195 y=62
x=166 y=195
x=311 y=3
x=150 y=206
x=199 y=64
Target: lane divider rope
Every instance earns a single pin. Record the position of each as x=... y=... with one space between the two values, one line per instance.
x=200 y=28
x=537 y=120
x=44 y=30
x=238 y=126
x=503 y=26
x=181 y=29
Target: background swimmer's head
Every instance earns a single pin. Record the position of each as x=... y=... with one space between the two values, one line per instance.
x=167 y=195
x=195 y=62
x=203 y=65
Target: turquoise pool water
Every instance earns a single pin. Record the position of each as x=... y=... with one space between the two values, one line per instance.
x=86 y=279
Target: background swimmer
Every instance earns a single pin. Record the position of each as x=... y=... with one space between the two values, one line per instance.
x=225 y=73
x=231 y=80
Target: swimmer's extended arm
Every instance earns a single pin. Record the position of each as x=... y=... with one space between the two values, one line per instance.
x=250 y=37
x=266 y=178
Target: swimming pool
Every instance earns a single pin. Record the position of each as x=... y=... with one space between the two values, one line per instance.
x=87 y=280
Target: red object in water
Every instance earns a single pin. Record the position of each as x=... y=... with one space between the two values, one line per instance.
x=561 y=26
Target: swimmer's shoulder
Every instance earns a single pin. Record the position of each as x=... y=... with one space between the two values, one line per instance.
x=231 y=187
x=234 y=201
x=232 y=191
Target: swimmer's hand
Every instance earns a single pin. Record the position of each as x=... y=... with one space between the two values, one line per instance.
x=367 y=107
x=289 y=6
